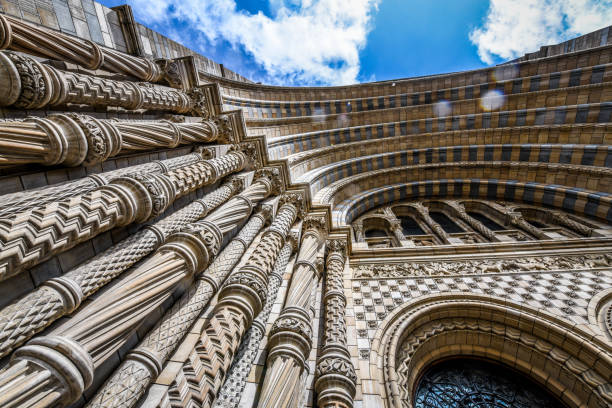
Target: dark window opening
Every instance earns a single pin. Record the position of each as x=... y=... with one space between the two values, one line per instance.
x=486 y=221
x=410 y=226
x=446 y=223
x=376 y=233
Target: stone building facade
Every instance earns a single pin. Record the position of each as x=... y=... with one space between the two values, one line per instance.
x=174 y=235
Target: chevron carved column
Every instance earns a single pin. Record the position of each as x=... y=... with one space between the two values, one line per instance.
x=335 y=375
x=60 y=296
x=143 y=364
x=29 y=238
x=105 y=324
x=21 y=201
x=230 y=394
x=291 y=335
x=73 y=139
x=240 y=300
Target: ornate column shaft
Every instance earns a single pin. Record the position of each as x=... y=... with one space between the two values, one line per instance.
x=240 y=300
x=437 y=228
x=29 y=238
x=516 y=219
x=104 y=325
x=18 y=35
x=396 y=228
x=335 y=375
x=19 y=202
x=359 y=236
x=562 y=219
x=143 y=364
x=472 y=222
x=60 y=296
x=72 y=139
x=32 y=85
x=290 y=339
x=231 y=392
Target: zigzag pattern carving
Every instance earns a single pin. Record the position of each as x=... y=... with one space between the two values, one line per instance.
x=33 y=236
x=197 y=383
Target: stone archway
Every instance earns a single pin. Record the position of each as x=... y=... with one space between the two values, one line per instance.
x=569 y=362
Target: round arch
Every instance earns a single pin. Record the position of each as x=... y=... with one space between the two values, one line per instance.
x=569 y=362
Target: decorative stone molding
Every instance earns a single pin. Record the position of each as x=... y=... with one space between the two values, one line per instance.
x=483 y=266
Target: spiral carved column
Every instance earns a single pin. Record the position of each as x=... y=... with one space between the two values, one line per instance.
x=290 y=339
x=29 y=238
x=335 y=375
x=437 y=228
x=472 y=222
x=240 y=300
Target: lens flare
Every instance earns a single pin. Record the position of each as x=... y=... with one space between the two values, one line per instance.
x=319 y=116
x=442 y=108
x=492 y=100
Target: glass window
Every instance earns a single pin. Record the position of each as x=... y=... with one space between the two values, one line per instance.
x=410 y=226
x=446 y=223
x=486 y=221
x=376 y=233
x=477 y=384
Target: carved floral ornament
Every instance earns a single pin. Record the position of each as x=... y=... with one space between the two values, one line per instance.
x=483 y=266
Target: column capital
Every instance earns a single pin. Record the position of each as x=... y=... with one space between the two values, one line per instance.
x=272 y=177
x=296 y=199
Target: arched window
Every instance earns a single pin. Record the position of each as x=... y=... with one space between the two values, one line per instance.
x=466 y=383
x=446 y=223
x=486 y=221
x=410 y=226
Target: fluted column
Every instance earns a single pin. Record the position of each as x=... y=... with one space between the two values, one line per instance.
x=335 y=375
x=143 y=364
x=437 y=228
x=290 y=339
x=60 y=296
x=230 y=394
x=21 y=201
x=72 y=139
x=36 y=234
x=32 y=39
x=472 y=222
x=104 y=325
x=239 y=301
x=32 y=85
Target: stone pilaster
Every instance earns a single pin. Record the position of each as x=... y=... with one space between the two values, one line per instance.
x=239 y=301
x=335 y=375
x=291 y=335
x=38 y=233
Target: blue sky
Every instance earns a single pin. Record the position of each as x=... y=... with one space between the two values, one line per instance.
x=335 y=42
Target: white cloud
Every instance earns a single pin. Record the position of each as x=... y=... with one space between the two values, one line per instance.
x=515 y=27
x=305 y=41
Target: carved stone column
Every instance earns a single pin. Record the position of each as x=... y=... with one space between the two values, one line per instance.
x=516 y=219
x=559 y=218
x=104 y=325
x=38 y=233
x=32 y=85
x=359 y=236
x=72 y=139
x=290 y=339
x=437 y=228
x=21 y=201
x=240 y=300
x=472 y=222
x=230 y=394
x=32 y=39
x=60 y=296
x=143 y=364
x=335 y=376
